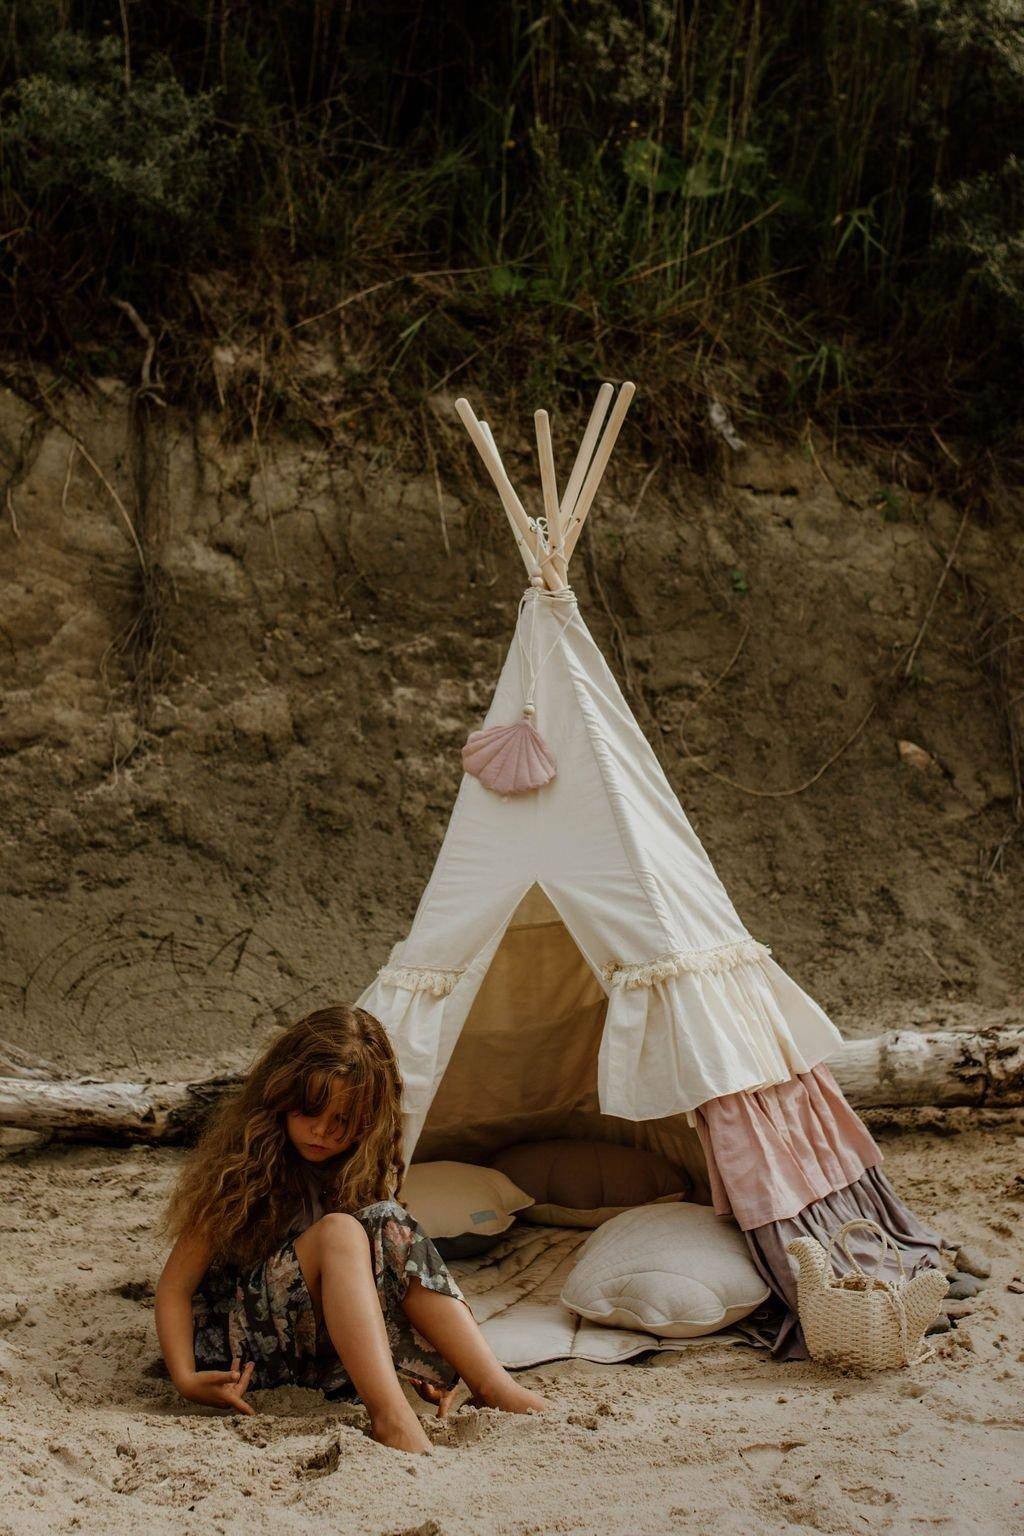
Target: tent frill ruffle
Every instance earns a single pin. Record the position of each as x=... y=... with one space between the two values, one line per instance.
x=682 y=1028
x=438 y=980
x=703 y=1033
x=420 y=978
x=678 y=962
x=796 y=1160
x=771 y=1153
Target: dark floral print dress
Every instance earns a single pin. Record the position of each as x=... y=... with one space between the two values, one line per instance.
x=266 y=1314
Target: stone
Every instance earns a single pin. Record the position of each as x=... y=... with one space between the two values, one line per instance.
x=941 y=1324
x=963 y=1287
x=958 y=1309
x=916 y=757
x=971 y=1263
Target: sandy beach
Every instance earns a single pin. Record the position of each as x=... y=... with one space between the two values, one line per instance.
x=718 y=1439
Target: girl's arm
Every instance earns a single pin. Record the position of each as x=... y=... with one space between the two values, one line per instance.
x=186 y=1265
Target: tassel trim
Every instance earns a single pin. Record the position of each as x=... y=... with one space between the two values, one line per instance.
x=419 y=978
x=679 y=962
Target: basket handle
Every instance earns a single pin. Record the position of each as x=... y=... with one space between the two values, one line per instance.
x=839 y=1236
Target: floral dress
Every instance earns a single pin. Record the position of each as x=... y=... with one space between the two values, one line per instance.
x=265 y=1313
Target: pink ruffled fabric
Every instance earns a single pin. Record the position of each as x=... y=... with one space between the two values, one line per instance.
x=773 y=1151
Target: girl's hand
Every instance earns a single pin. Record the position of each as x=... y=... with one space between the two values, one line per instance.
x=430 y=1393
x=221 y=1389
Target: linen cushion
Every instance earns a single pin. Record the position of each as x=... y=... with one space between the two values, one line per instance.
x=586 y=1183
x=451 y=1199
x=677 y=1271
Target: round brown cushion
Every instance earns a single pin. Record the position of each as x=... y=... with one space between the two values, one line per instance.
x=586 y=1183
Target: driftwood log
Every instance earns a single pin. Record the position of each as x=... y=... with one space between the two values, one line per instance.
x=899 y=1069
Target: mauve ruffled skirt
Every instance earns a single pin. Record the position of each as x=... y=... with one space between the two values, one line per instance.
x=796 y=1160
x=871 y=1196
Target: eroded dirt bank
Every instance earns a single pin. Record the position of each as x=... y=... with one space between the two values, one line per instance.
x=228 y=754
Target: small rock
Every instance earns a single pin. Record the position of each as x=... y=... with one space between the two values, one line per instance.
x=916 y=757
x=124 y=1448
x=1016 y=1285
x=958 y=1308
x=963 y=1287
x=971 y=1263
x=941 y=1324
x=9 y=1311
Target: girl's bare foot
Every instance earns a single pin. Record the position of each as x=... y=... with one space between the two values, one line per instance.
x=505 y=1393
x=401 y=1432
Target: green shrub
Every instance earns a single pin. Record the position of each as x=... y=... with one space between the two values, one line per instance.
x=823 y=198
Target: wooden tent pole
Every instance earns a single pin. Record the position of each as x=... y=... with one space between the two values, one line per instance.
x=598 y=467
x=584 y=455
x=542 y=553
x=522 y=528
x=546 y=458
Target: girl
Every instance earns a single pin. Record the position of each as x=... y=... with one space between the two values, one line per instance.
x=292 y=1253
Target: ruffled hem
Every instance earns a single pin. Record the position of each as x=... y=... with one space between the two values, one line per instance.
x=672 y=1044
x=871 y=1196
x=772 y=1152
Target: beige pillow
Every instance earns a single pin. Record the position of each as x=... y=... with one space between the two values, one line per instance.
x=586 y=1183
x=677 y=1271
x=450 y=1199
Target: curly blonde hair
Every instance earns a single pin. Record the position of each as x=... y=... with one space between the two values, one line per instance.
x=242 y=1182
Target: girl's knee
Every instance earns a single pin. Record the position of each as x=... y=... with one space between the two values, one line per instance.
x=338 y=1229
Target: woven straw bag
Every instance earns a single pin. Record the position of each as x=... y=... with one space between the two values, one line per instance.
x=862 y=1321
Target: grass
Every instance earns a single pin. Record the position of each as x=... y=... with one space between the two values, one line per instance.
x=325 y=214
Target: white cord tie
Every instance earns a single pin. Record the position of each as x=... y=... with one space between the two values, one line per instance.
x=528 y=672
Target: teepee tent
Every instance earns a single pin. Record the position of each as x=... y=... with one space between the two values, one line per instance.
x=575 y=966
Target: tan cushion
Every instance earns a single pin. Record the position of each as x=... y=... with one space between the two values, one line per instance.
x=677 y=1271
x=449 y=1199
x=586 y=1183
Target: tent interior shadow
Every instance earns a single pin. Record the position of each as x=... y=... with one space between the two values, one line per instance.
x=524 y=1067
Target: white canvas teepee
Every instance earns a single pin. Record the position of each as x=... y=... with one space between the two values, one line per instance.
x=575 y=966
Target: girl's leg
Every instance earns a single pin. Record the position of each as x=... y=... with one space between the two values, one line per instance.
x=334 y=1256
x=449 y=1325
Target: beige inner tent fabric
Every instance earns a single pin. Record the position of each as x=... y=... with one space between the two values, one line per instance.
x=525 y=1065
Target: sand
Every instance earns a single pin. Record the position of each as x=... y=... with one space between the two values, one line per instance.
x=719 y=1440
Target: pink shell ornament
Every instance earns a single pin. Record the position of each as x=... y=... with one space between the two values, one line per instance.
x=509 y=759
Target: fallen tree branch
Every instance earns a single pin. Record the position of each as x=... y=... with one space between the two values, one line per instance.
x=941 y=1069
x=88 y=1109
x=900 y=1069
